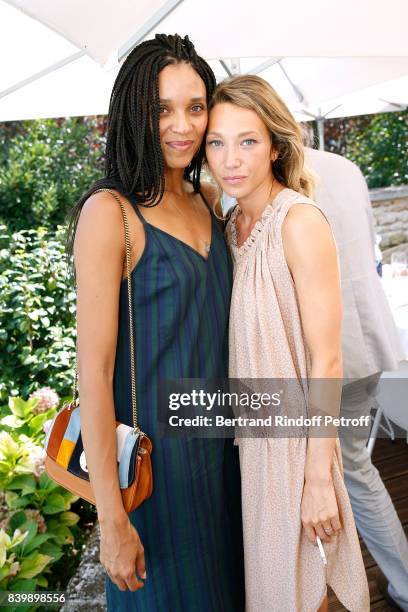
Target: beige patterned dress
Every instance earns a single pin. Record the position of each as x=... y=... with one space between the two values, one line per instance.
x=283 y=570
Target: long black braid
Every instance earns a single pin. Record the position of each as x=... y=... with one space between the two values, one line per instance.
x=133 y=157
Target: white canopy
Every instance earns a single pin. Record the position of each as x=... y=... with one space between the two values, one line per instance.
x=386 y=97
x=50 y=70
x=232 y=28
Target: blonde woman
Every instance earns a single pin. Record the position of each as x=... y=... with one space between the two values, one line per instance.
x=285 y=322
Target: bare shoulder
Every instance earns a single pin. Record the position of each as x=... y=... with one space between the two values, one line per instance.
x=100 y=232
x=306 y=221
x=100 y=207
x=307 y=238
x=100 y=222
x=102 y=214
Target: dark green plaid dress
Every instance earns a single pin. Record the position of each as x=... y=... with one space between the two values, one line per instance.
x=191 y=525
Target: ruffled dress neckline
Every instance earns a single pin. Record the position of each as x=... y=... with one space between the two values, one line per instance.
x=258 y=227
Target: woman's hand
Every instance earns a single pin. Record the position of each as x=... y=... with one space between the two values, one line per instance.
x=319 y=510
x=122 y=555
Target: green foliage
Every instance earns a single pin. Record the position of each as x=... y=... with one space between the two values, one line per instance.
x=39 y=528
x=8 y=132
x=21 y=417
x=381 y=149
x=376 y=143
x=42 y=494
x=17 y=459
x=45 y=166
x=37 y=313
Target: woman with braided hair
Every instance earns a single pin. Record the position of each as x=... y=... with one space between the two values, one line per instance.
x=181 y=550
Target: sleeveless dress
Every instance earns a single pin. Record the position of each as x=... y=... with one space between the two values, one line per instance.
x=283 y=570
x=191 y=526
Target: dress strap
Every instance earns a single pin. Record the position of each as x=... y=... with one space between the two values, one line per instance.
x=114 y=183
x=133 y=201
x=136 y=208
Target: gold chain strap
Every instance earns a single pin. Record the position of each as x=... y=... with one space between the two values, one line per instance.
x=132 y=348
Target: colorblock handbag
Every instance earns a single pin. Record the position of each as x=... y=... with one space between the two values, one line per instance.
x=65 y=460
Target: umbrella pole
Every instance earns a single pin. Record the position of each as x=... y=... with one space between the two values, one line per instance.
x=320 y=131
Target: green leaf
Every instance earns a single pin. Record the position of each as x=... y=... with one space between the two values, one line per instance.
x=42 y=581
x=47 y=483
x=4 y=571
x=17 y=406
x=29 y=360
x=24 y=326
x=9 y=448
x=36 y=542
x=44 y=480
x=25 y=482
x=52 y=549
x=34 y=565
x=22 y=585
x=68 y=518
x=18 y=519
x=55 y=503
x=3 y=554
x=18 y=538
x=38 y=421
x=52 y=523
x=63 y=535
x=15 y=501
x=11 y=498
x=29 y=405
x=69 y=498
x=31 y=528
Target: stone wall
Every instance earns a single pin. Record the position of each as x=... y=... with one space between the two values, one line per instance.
x=390 y=208
x=85 y=591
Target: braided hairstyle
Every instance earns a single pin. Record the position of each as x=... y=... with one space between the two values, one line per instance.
x=133 y=156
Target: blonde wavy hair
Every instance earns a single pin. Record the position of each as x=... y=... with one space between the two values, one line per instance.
x=254 y=93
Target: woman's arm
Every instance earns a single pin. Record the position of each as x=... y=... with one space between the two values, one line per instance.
x=312 y=259
x=99 y=252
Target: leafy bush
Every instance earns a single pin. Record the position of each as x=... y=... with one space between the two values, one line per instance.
x=381 y=150
x=45 y=165
x=28 y=418
x=38 y=527
x=37 y=332
x=376 y=143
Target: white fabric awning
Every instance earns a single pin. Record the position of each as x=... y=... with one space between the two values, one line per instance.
x=233 y=28
x=53 y=51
